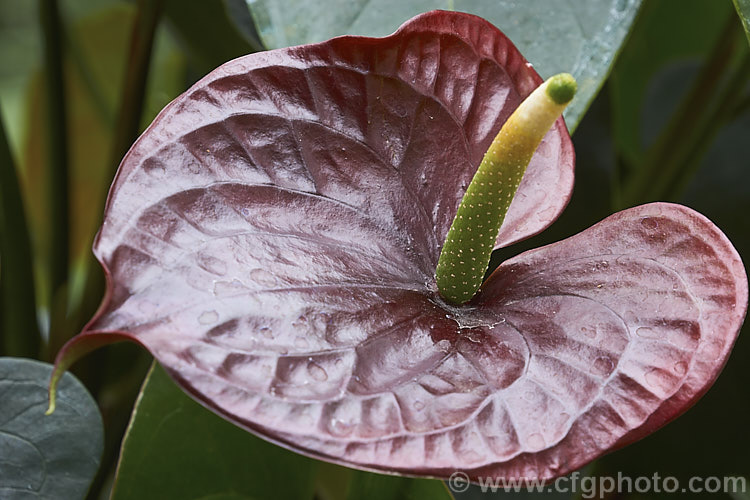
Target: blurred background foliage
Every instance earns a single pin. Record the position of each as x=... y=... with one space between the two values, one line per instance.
x=667 y=119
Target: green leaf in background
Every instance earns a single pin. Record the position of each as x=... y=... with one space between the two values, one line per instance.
x=175 y=448
x=213 y=31
x=50 y=457
x=20 y=54
x=19 y=331
x=366 y=486
x=684 y=116
x=94 y=67
x=476 y=493
x=20 y=49
x=667 y=32
x=581 y=37
x=340 y=483
x=743 y=10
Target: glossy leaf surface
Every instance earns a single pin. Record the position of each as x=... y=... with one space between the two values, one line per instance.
x=272 y=240
x=228 y=21
x=577 y=36
x=45 y=457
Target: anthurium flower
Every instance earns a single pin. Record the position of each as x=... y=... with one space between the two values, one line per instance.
x=272 y=240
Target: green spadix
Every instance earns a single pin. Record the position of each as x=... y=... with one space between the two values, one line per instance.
x=466 y=252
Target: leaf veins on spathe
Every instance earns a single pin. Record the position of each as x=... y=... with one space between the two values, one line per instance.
x=272 y=240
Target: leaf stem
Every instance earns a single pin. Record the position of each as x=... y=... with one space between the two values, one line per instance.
x=57 y=162
x=88 y=79
x=20 y=330
x=136 y=78
x=126 y=130
x=116 y=407
x=689 y=125
x=730 y=98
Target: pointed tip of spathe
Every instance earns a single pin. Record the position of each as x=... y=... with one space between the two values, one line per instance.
x=561 y=88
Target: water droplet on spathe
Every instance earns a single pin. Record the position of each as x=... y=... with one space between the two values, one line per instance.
x=589 y=332
x=324 y=317
x=418 y=405
x=536 y=441
x=153 y=167
x=649 y=223
x=301 y=324
x=713 y=350
x=444 y=345
x=211 y=264
x=646 y=332
x=225 y=288
x=680 y=368
x=653 y=377
x=208 y=317
x=262 y=277
x=317 y=372
x=470 y=456
x=603 y=366
x=341 y=427
x=266 y=332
